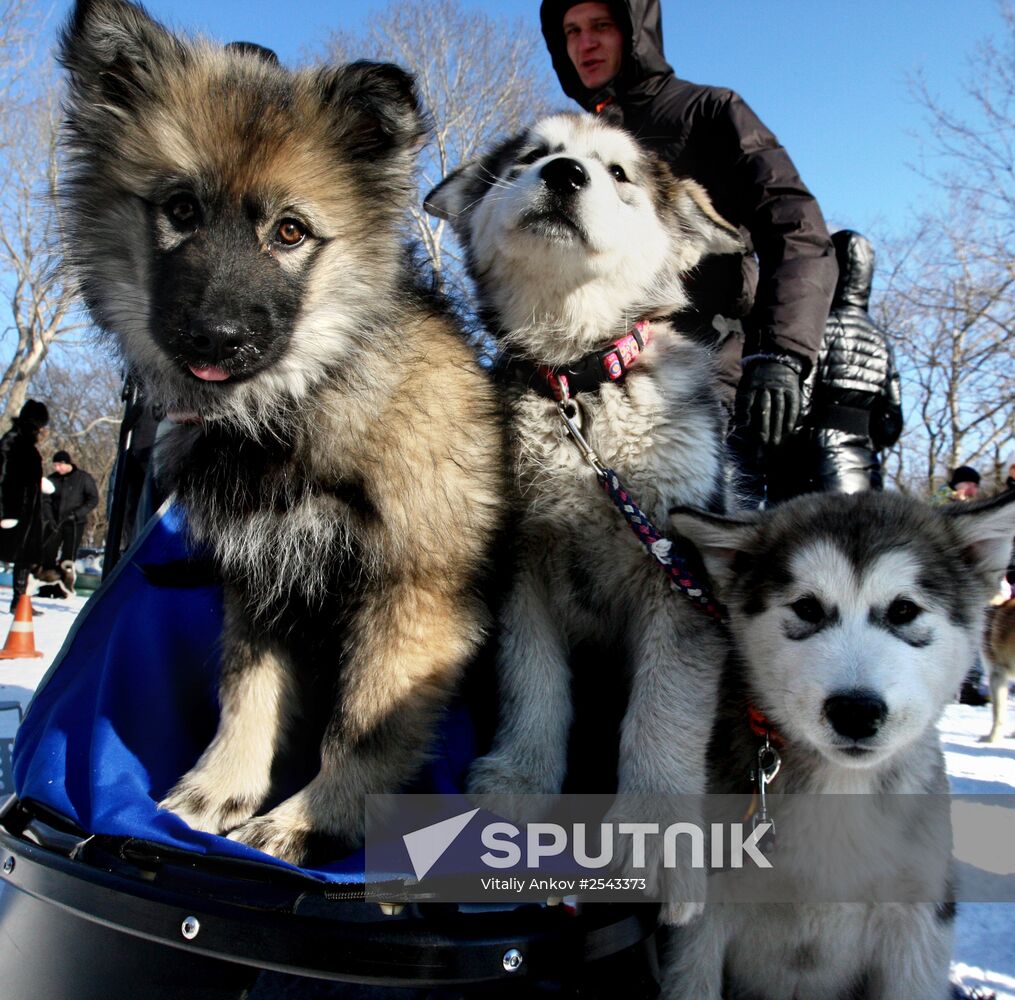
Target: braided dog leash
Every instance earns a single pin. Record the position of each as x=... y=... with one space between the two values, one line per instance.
x=676 y=567
x=661 y=549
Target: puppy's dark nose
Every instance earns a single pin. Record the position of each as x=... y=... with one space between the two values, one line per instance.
x=563 y=175
x=214 y=341
x=856 y=714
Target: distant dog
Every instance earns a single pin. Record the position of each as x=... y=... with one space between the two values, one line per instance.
x=999 y=652
x=854 y=619
x=578 y=241
x=235 y=230
x=58 y=581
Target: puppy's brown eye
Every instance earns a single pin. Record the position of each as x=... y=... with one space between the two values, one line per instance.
x=183 y=211
x=808 y=609
x=290 y=233
x=617 y=173
x=902 y=611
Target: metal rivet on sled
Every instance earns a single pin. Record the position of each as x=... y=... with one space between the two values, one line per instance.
x=191 y=927
x=9 y=865
x=512 y=960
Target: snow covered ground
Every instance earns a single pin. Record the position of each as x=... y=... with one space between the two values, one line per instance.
x=985 y=932
x=985 y=938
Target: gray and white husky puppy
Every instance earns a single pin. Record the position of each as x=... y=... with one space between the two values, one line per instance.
x=854 y=619
x=577 y=239
x=235 y=230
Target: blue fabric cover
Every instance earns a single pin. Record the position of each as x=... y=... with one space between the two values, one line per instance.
x=130 y=704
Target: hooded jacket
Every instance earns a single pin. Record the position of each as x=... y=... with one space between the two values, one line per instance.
x=852 y=403
x=711 y=135
x=21 y=494
x=855 y=364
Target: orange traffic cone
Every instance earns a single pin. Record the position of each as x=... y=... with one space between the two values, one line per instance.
x=20 y=644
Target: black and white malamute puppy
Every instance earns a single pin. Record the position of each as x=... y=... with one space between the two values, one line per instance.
x=854 y=620
x=234 y=229
x=577 y=240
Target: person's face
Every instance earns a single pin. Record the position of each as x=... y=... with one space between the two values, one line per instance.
x=62 y=468
x=594 y=43
x=966 y=491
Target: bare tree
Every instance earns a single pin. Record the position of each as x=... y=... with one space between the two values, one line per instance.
x=40 y=304
x=19 y=24
x=37 y=303
x=977 y=151
x=479 y=77
x=951 y=310
x=82 y=390
x=950 y=299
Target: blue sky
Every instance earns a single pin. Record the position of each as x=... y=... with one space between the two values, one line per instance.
x=829 y=77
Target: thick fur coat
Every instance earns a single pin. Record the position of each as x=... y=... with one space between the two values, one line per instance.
x=573 y=233
x=235 y=230
x=854 y=620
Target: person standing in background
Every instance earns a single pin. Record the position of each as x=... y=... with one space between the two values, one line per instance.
x=66 y=510
x=852 y=399
x=964 y=484
x=21 y=494
x=609 y=58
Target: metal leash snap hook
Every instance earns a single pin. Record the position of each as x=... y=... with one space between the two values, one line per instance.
x=574 y=429
x=768 y=766
x=769 y=762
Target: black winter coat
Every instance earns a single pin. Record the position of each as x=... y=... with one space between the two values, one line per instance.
x=75 y=497
x=20 y=496
x=852 y=406
x=711 y=135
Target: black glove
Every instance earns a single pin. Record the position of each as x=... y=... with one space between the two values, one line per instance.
x=769 y=400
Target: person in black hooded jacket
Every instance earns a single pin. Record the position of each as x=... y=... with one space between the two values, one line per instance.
x=852 y=402
x=21 y=494
x=711 y=135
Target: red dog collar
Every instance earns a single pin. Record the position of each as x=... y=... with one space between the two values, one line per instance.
x=760 y=726
x=590 y=372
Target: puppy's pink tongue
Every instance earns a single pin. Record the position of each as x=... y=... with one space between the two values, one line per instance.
x=210 y=373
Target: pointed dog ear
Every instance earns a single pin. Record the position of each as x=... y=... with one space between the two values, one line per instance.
x=464 y=187
x=719 y=540
x=379 y=110
x=986 y=529
x=450 y=199
x=114 y=53
x=699 y=219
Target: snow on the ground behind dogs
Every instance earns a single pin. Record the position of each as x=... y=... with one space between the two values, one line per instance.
x=985 y=933
x=20 y=678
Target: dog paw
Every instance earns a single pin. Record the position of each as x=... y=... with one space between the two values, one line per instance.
x=510 y=789
x=991 y=738
x=679 y=914
x=498 y=774
x=683 y=891
x=202 y=811
x=305 y=828
x=278 y=837
x=675 y=881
